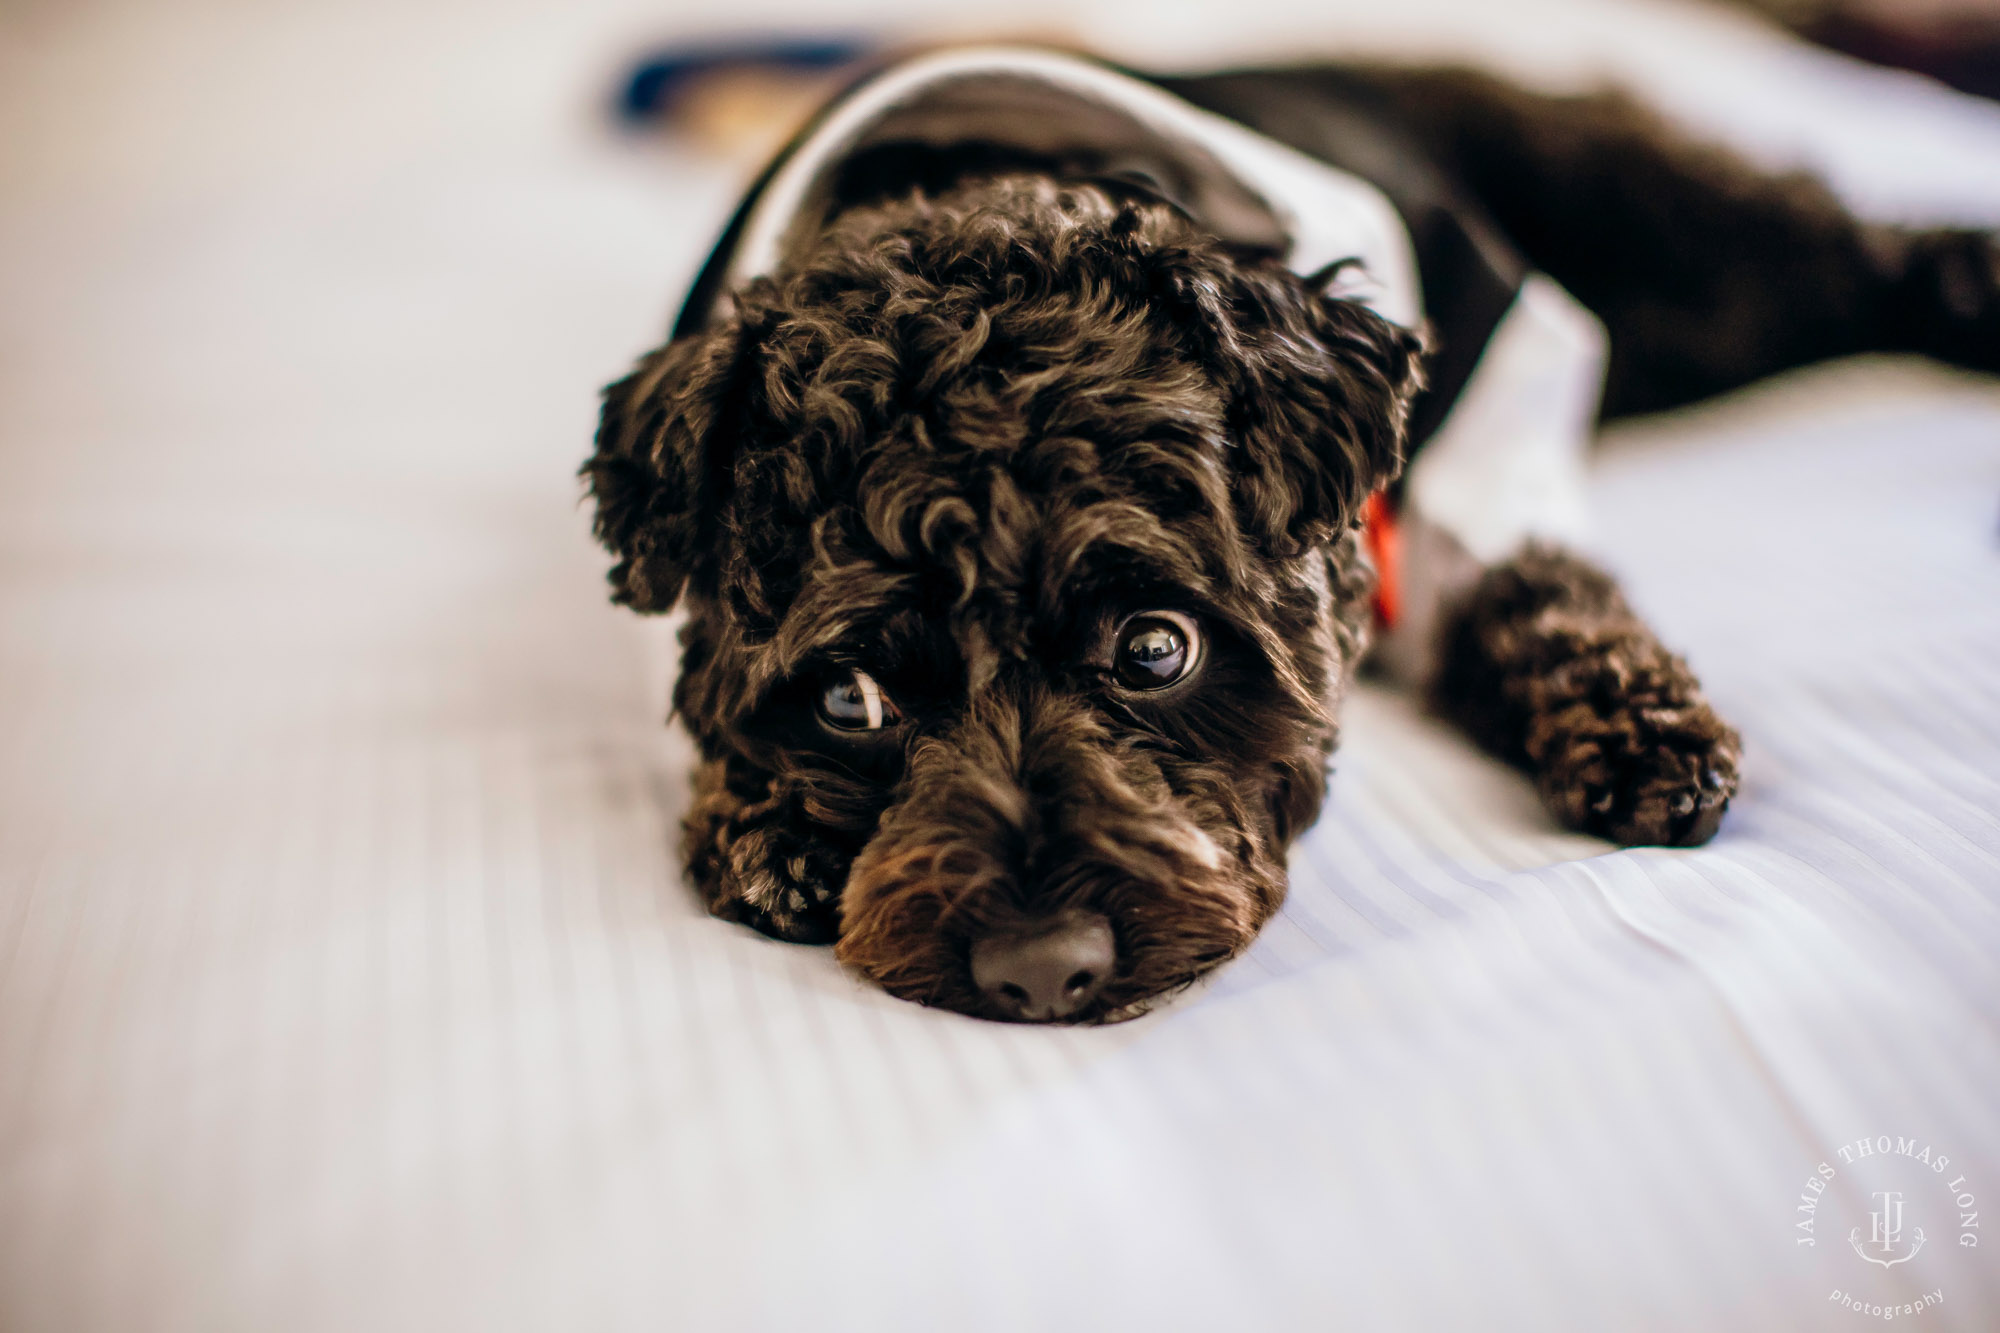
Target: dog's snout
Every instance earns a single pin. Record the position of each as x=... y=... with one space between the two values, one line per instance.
x=1047 y=972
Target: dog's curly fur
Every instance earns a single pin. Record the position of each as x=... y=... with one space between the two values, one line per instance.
x=965 y=431
x=955 y=446
x=1545 y=664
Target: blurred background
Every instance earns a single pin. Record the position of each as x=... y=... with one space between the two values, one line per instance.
x=346 y=979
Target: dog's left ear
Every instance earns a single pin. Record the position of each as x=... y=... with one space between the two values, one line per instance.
x=1320 y=391
x=662 y=450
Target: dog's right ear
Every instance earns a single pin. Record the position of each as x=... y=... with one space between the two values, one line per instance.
x=661 y=462
x=1318 y=390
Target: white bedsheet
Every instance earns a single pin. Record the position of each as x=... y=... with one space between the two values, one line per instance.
x=345 y=977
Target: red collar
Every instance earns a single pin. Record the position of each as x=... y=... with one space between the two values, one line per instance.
x=1385 y=545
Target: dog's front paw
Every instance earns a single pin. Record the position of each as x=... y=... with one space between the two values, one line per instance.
x=1546 y=665
x=787 y=892
x=1635 y=754
x=752 y=865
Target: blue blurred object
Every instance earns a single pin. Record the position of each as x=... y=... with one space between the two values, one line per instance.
x=661 y=77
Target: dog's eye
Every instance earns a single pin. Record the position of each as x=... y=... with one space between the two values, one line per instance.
x=856 y=703
x=1155 y=649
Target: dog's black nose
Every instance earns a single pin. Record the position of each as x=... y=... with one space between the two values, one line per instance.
x=1048 y=972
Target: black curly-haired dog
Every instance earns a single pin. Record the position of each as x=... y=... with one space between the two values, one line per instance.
x=1014 y=493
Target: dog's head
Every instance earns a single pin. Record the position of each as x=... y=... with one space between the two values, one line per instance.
x=1015 y=532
